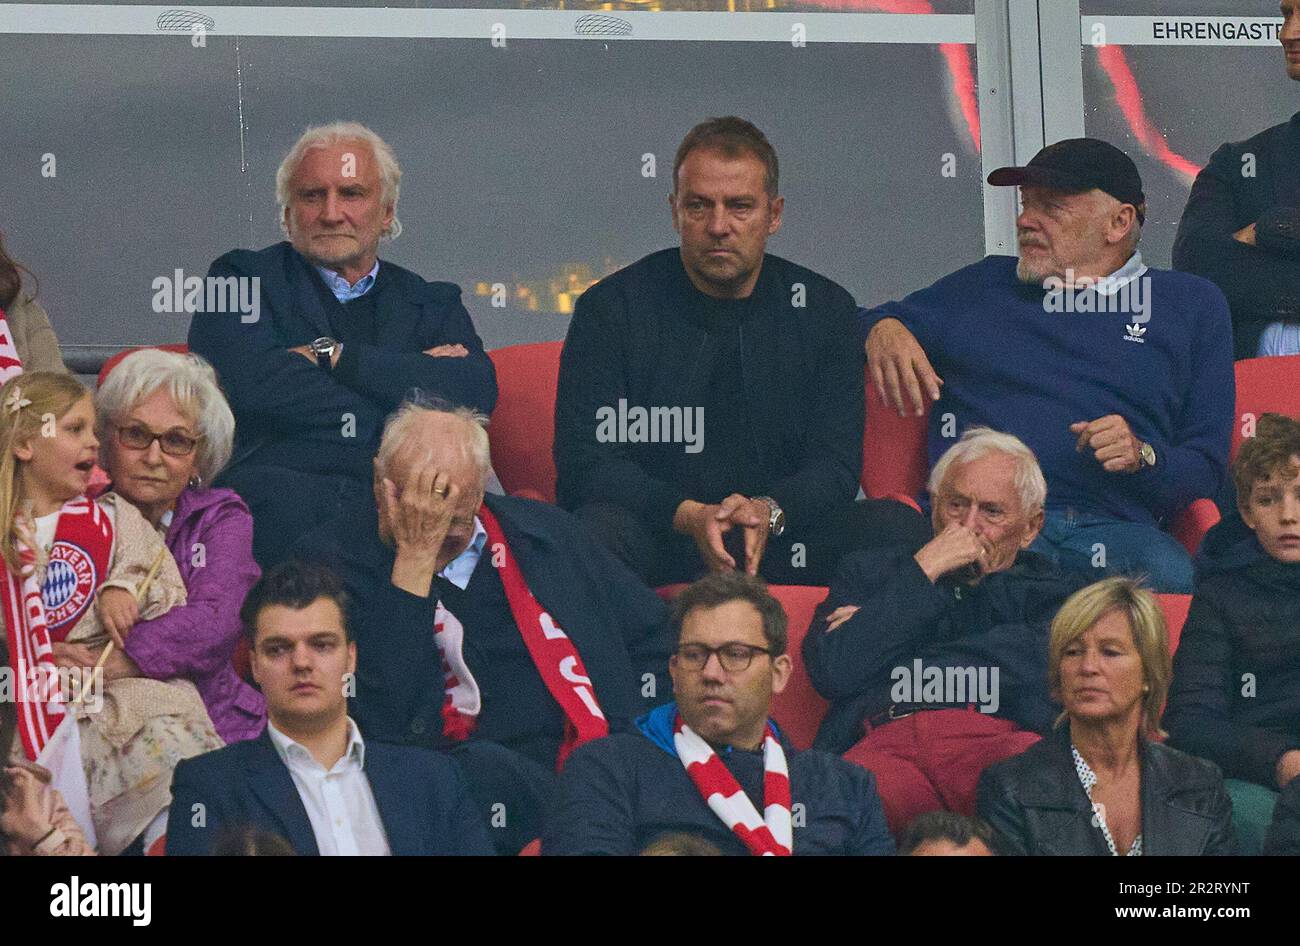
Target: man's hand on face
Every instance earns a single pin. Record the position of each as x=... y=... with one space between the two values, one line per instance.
x=953 y=548
x=419 y=516
x=708 y=523
x=1111 y=441
x=900 y=369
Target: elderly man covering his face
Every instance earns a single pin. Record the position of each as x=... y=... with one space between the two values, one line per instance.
x=490 y=625
x=935 y=662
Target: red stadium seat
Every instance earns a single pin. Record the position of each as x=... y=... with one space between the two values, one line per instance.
x=532 y=849
x=240 y=659
x=895 y=461
x=799 y=709
x=1175 y=611
x=894 y=457
x=158 y=848
x=1264 y=386
x=109 y=365
x=523 y=424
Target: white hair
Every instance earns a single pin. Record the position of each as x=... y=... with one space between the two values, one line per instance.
x=977 y=442
x=192 y=384
x=323 y=136
x=400 y=422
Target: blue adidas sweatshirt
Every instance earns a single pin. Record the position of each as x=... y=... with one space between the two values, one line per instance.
x=1010 y=359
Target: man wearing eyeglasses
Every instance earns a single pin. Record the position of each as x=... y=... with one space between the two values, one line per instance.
x=713 y=764
x=935 y=662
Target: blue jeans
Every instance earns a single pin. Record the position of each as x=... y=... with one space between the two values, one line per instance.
x=1098 y=547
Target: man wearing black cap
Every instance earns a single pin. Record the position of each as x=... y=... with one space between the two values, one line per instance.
x=1118 y=376
x=1241 y=226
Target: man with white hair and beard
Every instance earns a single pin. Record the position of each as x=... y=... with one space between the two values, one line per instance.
x=335 y=341
x=1119 y=377
x=491 y=626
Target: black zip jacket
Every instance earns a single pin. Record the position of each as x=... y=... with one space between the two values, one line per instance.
x=1001 y=622
x=1262 y=282
x=643 y=335
x=1235 y=698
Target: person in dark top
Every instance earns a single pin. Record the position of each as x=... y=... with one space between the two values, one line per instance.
x=712 y=765
x=1102 y=783
x=1118 y=376
x=491 y=626
x=1235 y=698
x=710 y=404
x=1241 y=226
x=935 y=663
x=332 y=338
x=1283 y=839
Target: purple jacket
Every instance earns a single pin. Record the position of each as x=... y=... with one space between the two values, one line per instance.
x=197 y=641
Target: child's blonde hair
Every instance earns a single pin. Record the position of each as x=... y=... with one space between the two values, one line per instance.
x=27 y=402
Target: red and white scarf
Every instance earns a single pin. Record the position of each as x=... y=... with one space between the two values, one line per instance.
x=770 y=835
x=10 y=363
x=552 y=651
x=37 y=615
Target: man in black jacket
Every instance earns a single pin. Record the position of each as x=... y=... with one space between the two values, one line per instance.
x=337 y=339
x=710 y=404
x=935 y=663
x=1241 y=226
x=712 y=765
x=488 y=625
x=1235 y=698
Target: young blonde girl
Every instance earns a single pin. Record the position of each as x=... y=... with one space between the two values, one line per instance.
x=88 y=587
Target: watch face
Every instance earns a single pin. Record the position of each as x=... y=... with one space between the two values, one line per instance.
x=1148 y=454
x=323 y=346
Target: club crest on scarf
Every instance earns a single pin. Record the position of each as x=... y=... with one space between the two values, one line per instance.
x=70 y=582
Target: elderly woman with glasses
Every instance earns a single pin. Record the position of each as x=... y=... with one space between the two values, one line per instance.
x=1101 y=783
x=165 y=431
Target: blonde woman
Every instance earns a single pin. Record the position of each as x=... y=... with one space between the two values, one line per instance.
x=1101 y=783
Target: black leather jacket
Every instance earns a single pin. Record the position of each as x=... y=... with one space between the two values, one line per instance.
x=1037 y=805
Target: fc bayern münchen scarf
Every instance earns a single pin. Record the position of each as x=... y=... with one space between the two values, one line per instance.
x=552 y=652
x=770 y=835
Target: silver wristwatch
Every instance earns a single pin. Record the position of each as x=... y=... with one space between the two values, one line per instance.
x=776 y=516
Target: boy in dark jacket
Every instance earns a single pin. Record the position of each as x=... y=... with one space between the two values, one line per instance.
x=1235 y=697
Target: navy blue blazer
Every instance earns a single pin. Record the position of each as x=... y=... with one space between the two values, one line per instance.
x=422 y=797
x=292 y=414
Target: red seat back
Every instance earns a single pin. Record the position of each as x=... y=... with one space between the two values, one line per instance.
x=111 y=363
x=1265 y=386
x=523 y=424
x=894 y=457
x=1175 y=610
x=798 y=709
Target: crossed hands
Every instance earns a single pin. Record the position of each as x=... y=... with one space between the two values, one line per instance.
x=708 y=523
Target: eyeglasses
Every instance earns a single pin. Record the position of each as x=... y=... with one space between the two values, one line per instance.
x=174 y=443
x=734 y=657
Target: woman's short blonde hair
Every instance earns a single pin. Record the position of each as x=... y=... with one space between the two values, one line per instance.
x=1083 y=609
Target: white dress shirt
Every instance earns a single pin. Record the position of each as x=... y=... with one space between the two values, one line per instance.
x=460 y=568
x=339 y=803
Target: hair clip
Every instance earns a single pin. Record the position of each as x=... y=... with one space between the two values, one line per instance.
x=15 y=401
